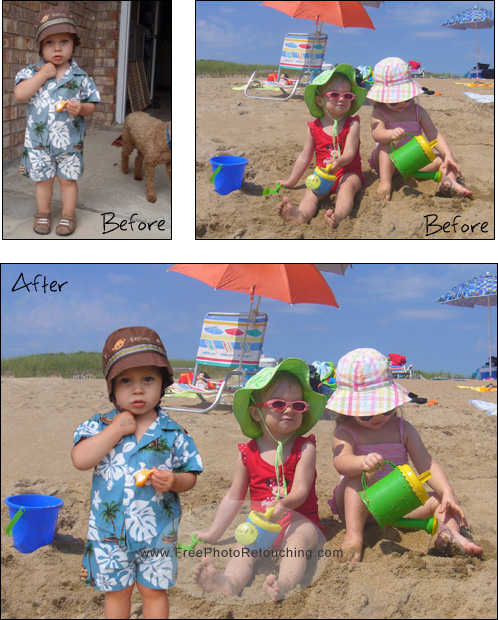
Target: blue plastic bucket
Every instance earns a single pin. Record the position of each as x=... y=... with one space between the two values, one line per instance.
x=35 y=526
x=228 y=172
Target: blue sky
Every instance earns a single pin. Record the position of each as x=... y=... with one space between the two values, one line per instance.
x=388 y=307
x=253 y=34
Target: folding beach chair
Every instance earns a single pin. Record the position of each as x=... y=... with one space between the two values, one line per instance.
x=302 y=52
x=228 y=340
x=416 y=70
x=398 y=368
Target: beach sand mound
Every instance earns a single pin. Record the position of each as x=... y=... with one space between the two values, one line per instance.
x=271 y=134
x=400 y=577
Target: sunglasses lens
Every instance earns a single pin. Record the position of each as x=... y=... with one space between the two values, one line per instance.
x=278 y=405
x=299 y=407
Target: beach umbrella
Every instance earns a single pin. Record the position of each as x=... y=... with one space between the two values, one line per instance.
x=339 y=268
x=471 y=18
x=480 y=291
x=343 y=14
x=294 y=283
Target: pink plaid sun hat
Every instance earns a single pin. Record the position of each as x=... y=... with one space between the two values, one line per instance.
x=393 y=82
x=365 y=385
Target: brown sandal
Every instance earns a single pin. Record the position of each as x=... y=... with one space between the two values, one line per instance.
x=42 y=224
x=66 y=225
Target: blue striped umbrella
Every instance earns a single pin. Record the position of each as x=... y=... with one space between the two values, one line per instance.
x=471 y=18
x=480 y=291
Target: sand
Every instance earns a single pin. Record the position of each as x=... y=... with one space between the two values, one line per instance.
x=398 y=578
x=271 y=135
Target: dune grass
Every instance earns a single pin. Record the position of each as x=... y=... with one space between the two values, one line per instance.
x=82 y=363
x=219 y=68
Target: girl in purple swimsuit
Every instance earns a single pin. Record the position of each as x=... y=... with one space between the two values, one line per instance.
x=395 y=114
x=369 y=432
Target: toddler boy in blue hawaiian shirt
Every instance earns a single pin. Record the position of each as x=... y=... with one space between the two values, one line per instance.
x=53 y=143
x=132 y=529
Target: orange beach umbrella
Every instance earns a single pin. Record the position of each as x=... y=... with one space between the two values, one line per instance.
x=294 y=283
x=343 y=14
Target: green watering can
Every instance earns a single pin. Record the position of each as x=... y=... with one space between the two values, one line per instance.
x=413 y=156
x=397 y=494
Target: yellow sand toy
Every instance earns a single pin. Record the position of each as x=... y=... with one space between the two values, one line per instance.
x=258 y=532
x=60 y=105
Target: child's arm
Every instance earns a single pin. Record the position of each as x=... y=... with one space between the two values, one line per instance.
x=379 y=132
x=347 y=463
x=442 y=147
x=229 y=505
x=302 y=163
x=350 y=148
x=88 y=453
x=423 y=461
x=27 y=88
x=303 y=481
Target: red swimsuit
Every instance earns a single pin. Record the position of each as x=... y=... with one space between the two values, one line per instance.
x=263 y=484
x=324 y=148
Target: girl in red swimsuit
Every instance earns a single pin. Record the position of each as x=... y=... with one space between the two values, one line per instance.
x=275 y=408
x=333 y=98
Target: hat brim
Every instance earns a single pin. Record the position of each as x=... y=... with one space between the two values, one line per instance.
x=311 y=91
x=368 y=402
x=394 y=94
x=242 y=398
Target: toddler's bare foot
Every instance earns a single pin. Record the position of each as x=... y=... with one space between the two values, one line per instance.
x=453 y=543
x=290 y=213
x=273 y=589
x=351 y=548
x=383 y=193
x=331 y=219
x=450 y=185
x=210 y=579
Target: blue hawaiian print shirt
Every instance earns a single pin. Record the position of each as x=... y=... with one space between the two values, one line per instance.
x=50 y=133
x=120 y=510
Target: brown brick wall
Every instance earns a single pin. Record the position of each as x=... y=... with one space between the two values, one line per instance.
x=98 y=25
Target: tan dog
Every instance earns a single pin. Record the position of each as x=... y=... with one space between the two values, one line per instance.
x=149 y=136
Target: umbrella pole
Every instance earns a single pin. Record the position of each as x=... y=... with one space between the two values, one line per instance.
x=252 y=312
x=477 y=55
x=489 y=328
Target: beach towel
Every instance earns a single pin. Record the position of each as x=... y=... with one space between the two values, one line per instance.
x=490 y=408
x=486 y=388
x=261 y=84
x=397 y=360
x=480 y=98
x=473 y=84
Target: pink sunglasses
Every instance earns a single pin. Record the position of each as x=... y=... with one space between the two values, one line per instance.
x=335 y=96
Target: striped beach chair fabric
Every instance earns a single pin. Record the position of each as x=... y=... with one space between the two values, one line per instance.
x=229 y=340
x=401 y=372
x=301 y=52
x=223 y=344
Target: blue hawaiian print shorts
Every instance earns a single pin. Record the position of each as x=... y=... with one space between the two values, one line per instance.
x=40 y=164
x=109 y=566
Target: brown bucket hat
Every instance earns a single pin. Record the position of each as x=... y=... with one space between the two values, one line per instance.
x=55 y=20
x=130 y=347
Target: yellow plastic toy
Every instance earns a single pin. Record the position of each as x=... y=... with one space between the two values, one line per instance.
x=60 y=105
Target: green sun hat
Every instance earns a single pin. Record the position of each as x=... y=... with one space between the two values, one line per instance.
x=242 y=398
x=311 y=91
